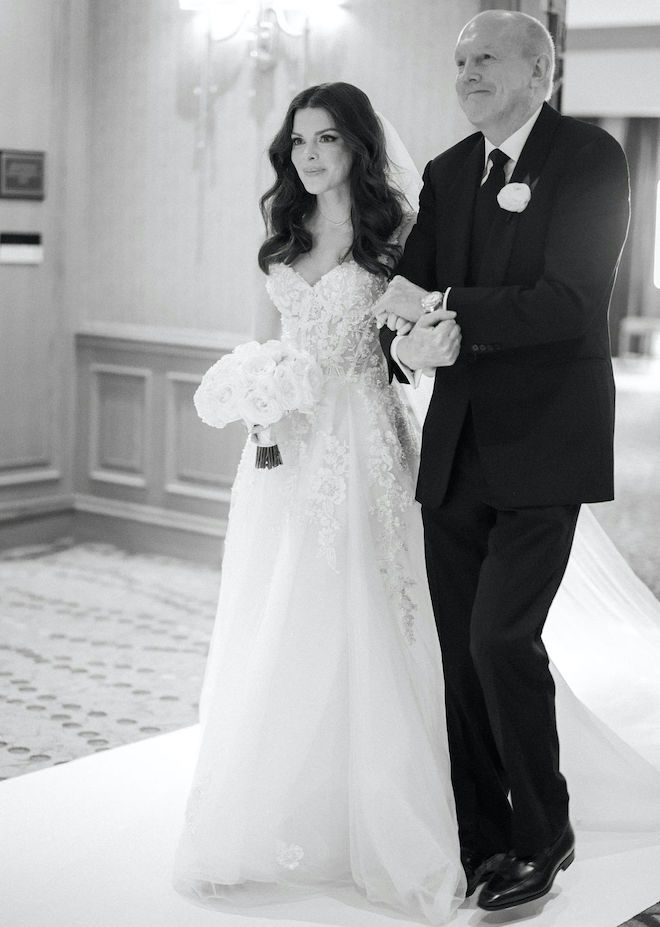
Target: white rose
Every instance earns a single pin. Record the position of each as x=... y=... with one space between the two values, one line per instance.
x=259 y=405
x=514 y=197
x=274 y=349
x=216 y=396
x=247 y=349
x=258 y=365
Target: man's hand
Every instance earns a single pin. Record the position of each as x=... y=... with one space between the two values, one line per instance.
x=433 y=342
x=402 y=300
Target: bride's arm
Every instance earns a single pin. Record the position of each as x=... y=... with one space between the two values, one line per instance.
x=406 y=228
x=266 y=321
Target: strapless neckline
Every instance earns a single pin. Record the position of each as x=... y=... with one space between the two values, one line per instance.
x=322 y=277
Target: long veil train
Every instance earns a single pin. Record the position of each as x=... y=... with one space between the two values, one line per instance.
x=603 y=637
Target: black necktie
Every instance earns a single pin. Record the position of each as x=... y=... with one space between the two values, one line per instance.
x=486 y=208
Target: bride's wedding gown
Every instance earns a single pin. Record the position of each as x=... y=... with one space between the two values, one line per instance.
x=324 y=756
x=323 y=759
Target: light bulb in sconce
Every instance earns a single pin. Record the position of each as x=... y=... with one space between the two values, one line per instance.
x=227 y=17
x=292 y=18
x=220 y=19
x=224 y=18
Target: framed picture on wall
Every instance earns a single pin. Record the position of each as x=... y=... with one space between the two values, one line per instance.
x=22 y=175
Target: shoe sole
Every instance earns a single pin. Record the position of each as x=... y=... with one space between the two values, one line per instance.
x=513 y=904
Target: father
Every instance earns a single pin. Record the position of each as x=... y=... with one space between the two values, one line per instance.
x=519 y=429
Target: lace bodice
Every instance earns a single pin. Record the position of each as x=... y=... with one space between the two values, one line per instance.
x=333 y=319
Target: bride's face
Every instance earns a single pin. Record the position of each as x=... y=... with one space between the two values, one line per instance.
x=319 y=153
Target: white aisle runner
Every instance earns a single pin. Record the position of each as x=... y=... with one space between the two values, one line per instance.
x=90 y=844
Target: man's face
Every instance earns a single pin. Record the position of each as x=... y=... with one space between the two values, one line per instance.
x=495 y=83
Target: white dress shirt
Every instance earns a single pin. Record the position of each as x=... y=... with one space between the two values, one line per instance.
x=512 y=147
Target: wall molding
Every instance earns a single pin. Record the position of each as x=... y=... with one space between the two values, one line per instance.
x=44 y=506
x=190 y=483
x=116 y=471
x=144 y=459
x=23 y=475
x=158 y=339
x=12 y=510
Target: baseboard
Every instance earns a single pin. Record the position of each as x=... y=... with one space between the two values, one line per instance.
x=31 y=522
x=143 y=537
x=150 y=515
x=149 y=528
x=130 y=526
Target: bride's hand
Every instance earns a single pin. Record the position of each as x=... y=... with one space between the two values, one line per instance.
x=255 y=432
x=401 y=299
x=394 y=322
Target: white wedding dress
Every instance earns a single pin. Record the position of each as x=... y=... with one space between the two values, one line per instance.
x=323 y=759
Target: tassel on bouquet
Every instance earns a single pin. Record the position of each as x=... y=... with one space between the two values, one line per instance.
x=259 y=384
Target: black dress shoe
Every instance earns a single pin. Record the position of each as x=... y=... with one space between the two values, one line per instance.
x=478 y=868
x=520 y=879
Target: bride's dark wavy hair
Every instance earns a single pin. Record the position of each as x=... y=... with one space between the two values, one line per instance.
x=376 y=210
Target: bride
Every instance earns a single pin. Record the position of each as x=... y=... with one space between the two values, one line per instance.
x=324 y=759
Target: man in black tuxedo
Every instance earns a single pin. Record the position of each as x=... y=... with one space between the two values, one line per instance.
x=518 y=239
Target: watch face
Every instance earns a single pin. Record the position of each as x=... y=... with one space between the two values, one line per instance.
x=431 y=300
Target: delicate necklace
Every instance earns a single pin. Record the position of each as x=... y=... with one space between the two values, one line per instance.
x=333 y=221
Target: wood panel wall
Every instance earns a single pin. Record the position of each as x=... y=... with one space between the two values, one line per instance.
x=142 y=453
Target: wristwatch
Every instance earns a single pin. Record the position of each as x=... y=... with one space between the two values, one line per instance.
x=432 y=300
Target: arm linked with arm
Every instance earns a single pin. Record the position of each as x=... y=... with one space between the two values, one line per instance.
x=417 y=264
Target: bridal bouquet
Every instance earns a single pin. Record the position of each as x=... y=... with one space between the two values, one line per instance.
x=259 y=383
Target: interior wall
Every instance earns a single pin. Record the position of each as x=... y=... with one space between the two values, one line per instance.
x=174 y=229
x=151 y=227
x=42 y=47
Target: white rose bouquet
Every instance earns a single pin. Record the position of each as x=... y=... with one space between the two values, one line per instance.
x=259 y=383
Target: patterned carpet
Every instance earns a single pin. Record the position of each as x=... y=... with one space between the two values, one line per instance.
x=99 y=648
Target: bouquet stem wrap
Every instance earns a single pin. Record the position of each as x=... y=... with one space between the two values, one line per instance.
x=268 y=453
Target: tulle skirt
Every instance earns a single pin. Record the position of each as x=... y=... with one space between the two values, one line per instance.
x=324 y=758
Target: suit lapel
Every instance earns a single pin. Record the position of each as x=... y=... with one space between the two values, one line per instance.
x=455 y=220
x=527 y=170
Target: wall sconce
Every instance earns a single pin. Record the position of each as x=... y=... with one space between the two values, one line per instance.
x=266 y=24
x=270 y=19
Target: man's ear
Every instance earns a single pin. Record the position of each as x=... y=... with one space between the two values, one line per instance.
x=541 y=70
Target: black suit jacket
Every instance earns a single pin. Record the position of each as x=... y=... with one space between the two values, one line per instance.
x=535 y=363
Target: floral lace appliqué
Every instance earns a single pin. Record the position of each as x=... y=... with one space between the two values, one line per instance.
x=393 y=496
x=328 y=493
x=288 y=855
x=334 y=321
